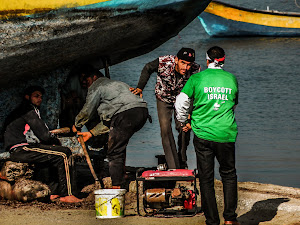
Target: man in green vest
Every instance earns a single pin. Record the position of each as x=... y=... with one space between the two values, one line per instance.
x=215 y=95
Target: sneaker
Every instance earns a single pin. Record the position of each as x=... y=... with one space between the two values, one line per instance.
x=70 y=199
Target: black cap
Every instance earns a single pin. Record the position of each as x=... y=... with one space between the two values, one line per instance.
x=186 y=54
x=31 y=89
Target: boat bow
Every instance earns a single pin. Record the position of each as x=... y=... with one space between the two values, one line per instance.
x=41 y=38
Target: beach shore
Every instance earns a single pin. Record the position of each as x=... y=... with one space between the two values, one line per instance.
x=258 y=204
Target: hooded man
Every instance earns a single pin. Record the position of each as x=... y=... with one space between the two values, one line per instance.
x=29 y=140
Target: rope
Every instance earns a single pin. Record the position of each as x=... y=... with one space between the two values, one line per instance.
x=297 y=4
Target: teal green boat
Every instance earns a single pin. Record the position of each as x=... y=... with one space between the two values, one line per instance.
x=220 y=19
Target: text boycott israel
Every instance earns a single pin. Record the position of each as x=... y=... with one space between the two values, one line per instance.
x=217 y=92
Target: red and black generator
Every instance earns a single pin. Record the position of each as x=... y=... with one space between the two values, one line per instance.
x=167 y=193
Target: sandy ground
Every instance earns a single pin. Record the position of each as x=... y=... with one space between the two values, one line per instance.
x=258 y=204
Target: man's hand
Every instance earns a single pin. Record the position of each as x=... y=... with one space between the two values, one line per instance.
x=136 y=91
x=86 y=135
x=187 y=127
x=74 y=129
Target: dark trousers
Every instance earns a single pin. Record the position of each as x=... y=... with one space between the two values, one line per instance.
x=52 y=156
x=123 y=126
x=165 y=113
x=206 y=151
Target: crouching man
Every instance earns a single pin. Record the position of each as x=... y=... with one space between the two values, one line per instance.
x=29 y=140
x=121 y=114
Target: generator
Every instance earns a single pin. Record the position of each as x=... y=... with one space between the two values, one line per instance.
x=167 y=193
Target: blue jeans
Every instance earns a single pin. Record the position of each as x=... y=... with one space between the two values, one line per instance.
x=206 y=151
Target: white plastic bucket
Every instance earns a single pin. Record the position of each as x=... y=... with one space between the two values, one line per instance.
x=109 y=203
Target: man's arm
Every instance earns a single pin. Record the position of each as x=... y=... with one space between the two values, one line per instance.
x=93 y=101
x=148 y=69
x=183 y=111
x=236 y=98
x=182 y=107
x=89 y=108
x=99 y=129
x=39 y=128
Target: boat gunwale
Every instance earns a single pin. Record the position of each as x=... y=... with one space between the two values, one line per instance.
x=270 y=12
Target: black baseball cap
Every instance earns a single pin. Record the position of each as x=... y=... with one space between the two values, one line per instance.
x=186 y=54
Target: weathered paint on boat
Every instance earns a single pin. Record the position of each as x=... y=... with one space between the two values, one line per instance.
x=61 y=34
x=15 y=8
x=220 y=19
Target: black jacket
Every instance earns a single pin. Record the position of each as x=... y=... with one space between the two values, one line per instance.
x=24 y=125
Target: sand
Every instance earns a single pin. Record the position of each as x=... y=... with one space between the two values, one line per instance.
x=258 y=204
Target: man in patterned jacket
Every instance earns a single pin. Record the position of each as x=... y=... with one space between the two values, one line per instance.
x=172 y=74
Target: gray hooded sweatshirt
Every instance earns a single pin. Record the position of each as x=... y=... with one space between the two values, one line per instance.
x=107 y=98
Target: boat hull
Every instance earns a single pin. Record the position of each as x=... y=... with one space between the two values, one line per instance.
x=221 y=19
x=35 y=44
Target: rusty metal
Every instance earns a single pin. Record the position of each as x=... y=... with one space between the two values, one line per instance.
x=155 y=195
x=176 y=193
